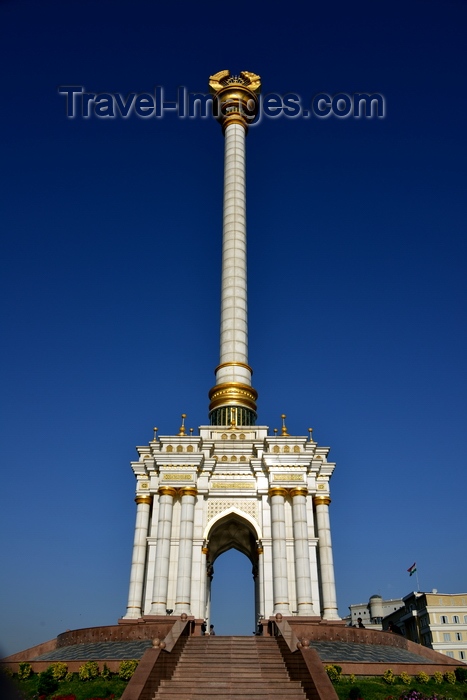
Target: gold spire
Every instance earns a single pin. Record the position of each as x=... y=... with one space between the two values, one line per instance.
x=284 y=429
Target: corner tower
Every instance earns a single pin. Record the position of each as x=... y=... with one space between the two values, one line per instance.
x=233 y=485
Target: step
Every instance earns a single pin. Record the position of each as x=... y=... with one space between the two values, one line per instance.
x=233 y=668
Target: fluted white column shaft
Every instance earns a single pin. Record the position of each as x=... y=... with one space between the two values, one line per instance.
x=138 y=562
x=161 y=569
x=234 y=320
x=326 y=564
x=302 y=560
x=185 y=555
x=279 y=556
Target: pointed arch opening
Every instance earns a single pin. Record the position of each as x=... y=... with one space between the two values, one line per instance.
x=233 y=586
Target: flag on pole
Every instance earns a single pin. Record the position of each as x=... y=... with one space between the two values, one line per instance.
x=412 y=569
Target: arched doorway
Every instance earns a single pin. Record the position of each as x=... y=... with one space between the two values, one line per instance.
x=231 y=534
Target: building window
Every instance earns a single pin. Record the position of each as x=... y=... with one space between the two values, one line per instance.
x=450 y=654
x=455 y=619
x=459 y=636
x=446 y=637
x=465 y=619
x=444 y=619
x=462 y=655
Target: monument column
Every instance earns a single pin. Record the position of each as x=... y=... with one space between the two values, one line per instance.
x=302 y=559
x=185 y=552
x=326 y=564
x=279 y=551
x=138 y=562
x=161 y=569
x=233 y=400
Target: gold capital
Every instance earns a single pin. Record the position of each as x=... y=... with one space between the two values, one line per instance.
x=299 y=491
x=277 y=491
x=167 y=491
x=321 y=500
x=189 y=491
x=143 y=499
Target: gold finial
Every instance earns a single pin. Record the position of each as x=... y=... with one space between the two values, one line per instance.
x=310 y=430
x=182 y=427
x=235 y=97
x=284 y=429
x=155 y=433
x=275 y=432
x=191 y=432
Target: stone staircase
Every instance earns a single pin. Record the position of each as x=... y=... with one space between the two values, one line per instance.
x=232 y=668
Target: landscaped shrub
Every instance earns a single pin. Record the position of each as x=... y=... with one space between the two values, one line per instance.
x=59 y=670
x=70 y=677
x=461 y=674
x=389 y=677
x=405 y=678
x=106 y=673
x=352 y=678
x=127 y=669
x=47 y=683
x=422 y=677
x=437 y=677
x=334 y=673
x=88 y=670
x=24 y=671
x=450 y=677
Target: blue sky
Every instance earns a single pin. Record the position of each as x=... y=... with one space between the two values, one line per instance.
x=111 y=235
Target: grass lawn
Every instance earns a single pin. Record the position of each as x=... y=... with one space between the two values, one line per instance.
x=83 y=690
x=376 y=689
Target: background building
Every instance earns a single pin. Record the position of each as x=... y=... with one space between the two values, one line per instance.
x=373 y=612
x=435 y=620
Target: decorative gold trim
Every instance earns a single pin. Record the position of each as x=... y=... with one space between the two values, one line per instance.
x=277 y=491
x=259 y=550
x=321 y=500
x=233 y=393
x=299 y=491
x=232 y=364
x=205 y=550
x=143 y=499
x=167 y=491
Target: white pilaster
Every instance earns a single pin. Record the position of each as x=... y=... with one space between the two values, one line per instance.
x=326 y=564
x=302 y=561
x=161 y=569
x=138 y=563
x=279 y=552
x=185 y=553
